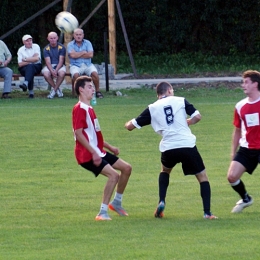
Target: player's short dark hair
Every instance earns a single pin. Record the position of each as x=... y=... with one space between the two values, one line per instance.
x=80 y=82
x=162 y=87
x=254 y=75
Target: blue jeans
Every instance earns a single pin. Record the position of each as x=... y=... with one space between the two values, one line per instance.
x=29 y=71
x=7 y=74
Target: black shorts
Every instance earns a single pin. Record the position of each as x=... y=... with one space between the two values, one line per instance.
x=190 y=159
x=107 y=159
x=248 y=158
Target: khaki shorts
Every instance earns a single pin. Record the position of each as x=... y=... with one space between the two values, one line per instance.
x=45 y=68
x=83 y=69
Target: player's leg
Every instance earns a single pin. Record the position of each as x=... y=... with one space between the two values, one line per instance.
x=104 y=169
x=125 y=169
x=235 y=172
x=168 y=162
x=192 y=164
x=125 y=172
x=163 y=183
x=205 y=193
x=113 y=177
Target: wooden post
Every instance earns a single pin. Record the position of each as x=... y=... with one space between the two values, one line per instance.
x=126 y=37
x=112 y=32
x=67 y=38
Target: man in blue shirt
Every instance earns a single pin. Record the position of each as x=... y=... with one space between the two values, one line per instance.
x=80 y=52
x=54 y=54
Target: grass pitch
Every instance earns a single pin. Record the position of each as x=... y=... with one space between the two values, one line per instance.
x=48 y=203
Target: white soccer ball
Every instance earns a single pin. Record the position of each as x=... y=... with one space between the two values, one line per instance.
x=66 y=22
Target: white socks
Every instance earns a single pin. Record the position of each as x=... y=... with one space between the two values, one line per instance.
x=103 y=207
x=118 y=197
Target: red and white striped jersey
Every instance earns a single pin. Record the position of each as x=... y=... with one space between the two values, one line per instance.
x=247 y=117
x=83 y=116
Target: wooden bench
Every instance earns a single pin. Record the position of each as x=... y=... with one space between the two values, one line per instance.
x=17 y=76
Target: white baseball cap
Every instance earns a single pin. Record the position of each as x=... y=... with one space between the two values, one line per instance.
x=26 y=37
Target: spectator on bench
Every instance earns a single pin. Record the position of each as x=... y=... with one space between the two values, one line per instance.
x=5 y=72
x=29 y=63
x=80 y=52
x=54 y=54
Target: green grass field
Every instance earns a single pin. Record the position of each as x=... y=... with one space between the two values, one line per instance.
x=48 y=202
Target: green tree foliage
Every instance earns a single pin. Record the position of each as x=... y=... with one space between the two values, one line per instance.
x=15 y=12
x=153 y=26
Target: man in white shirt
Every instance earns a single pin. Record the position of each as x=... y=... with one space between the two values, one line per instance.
x=29 y=63
x=168 y=117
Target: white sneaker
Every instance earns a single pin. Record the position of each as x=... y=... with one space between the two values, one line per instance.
x=240 y=205
x=52 y=94
x=59 y=93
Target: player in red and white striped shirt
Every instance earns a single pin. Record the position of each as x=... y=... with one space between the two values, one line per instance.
x=90 y=150
x=245 y=149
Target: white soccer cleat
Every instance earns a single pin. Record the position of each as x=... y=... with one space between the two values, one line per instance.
x=117 y=208
x=102 y=216
x=240 y=205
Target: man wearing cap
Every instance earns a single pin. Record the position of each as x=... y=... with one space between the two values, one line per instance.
x=29 y=63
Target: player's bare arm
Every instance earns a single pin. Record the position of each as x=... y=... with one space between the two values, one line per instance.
x=194 y=120
x=235 y=141
x=129 y=125
x=111 y=148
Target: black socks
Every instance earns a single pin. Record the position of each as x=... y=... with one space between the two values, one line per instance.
x=205 y=193
x=241 y=190
x=163 y=185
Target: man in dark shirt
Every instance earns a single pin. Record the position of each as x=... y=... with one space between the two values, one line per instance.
x=54 y=71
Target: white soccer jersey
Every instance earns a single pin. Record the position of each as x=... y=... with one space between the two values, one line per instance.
x=168 y=117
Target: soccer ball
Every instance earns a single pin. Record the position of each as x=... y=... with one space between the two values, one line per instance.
x=66 y=22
